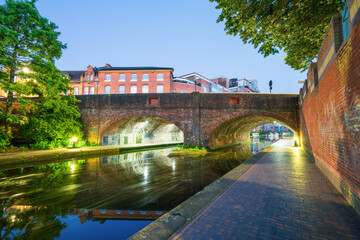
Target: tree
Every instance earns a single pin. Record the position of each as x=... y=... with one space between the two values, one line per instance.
x=296 y=27
x=29 y=46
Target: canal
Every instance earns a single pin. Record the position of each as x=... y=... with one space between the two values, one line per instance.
x=107 y=197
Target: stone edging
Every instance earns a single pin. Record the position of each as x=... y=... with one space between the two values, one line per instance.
x=68 y=154
x=168 y=225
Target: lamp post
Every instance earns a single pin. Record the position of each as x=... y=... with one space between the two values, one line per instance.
x=73 y=140
x=270 y=85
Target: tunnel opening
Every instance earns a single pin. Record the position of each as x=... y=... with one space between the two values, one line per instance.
x=239 y=130
x=142 y=130
x=266 y=134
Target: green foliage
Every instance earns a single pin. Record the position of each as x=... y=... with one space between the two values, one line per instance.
x=296 y=27
x=30 y=41
x=55 y=120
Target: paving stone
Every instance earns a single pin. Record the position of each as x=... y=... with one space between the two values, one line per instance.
x=283 y=196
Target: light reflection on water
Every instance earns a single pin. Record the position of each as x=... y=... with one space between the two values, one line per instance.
x=69 y=199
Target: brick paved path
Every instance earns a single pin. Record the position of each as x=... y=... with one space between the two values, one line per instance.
x=283 y=196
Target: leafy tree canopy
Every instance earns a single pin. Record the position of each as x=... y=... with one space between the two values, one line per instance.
x=296 y=27
x=29 y=46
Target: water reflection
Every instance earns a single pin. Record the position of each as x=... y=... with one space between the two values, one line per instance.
x=57 y=200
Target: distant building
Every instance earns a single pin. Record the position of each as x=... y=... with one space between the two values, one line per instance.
x=194 y=82
x=243 y=85
x=115 y=80
x=272 y=127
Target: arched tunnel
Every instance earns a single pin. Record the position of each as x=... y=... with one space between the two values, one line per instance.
x=141 y=130
x=237 y=130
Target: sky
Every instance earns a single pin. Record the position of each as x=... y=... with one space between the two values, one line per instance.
x=182 y=34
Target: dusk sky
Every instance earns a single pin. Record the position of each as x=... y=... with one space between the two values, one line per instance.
x=182 y=34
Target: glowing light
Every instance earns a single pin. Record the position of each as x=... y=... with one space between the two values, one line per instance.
x=297 y=141
x=26 y=70
x=146 y=172
x=74 y=139
x=73 y=167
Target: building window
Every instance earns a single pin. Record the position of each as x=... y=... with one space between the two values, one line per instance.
x=160 y=89
x=131 y=211
x=145 y=77
x=133 y=77
x=122 y=77
x=92 y=90
x=108 y=77
x=133 y=89
x=159 y=212
x=118 y=211
x=87 y=77
x=160 y=77
x=345 y=20
x=91 y=77
x=102 y=211
x=107 y=89
x=143 y=212
x=145 y=89
x=76 y=91
x=205 y=89
x=122 y=89
x=86 y=90
x=183 y=91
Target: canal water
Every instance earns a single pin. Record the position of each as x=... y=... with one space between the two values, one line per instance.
x=107 y=197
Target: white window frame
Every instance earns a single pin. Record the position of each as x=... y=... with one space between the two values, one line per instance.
x=121 y=87
x=205 y=89
x=92 y=90
x=76 y=91
x=107 y=88
x=162 y=88
x=147 y=77
x=91 y=77
x=86 y=90
x=160 y=79
x=147 y=89
x=132 y=89
x=120 y=77
x=134 y=77
x=107 y=77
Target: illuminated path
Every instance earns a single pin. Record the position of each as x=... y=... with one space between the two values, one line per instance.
x=283 y=196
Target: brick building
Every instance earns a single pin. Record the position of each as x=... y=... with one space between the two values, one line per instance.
x=189 y=83
x=115 y=80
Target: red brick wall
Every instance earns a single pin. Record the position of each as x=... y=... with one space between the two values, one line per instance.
x=205 y=119
x=152 y=83
x=330 y=118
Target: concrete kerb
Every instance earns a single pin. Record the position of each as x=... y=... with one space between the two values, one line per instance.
x=170 y=224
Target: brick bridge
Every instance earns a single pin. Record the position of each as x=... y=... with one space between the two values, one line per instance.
x=207 y=119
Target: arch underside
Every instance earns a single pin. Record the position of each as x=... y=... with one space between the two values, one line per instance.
x=237 y=130
x=141 y=130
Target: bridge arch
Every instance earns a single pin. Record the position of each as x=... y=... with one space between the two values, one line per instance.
x=141 y=129
x=237 y=129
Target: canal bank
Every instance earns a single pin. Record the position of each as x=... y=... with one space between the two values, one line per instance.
x=278 y=193
x=66 y=153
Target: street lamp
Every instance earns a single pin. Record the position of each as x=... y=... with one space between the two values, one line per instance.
x=73 y=140
x=270 y=85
